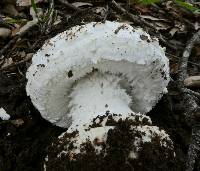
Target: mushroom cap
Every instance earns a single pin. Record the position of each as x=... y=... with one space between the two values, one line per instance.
x=110 y=47
x=107 y=137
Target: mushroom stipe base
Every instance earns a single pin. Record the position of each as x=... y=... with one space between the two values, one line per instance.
x=152 y=156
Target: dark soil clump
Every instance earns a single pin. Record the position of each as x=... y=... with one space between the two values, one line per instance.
x=115 y=153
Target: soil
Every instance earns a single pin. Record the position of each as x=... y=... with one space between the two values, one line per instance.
x=26 y=137
x=114 y=153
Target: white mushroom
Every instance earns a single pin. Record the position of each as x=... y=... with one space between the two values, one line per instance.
x=4 y=115
x=98 y=67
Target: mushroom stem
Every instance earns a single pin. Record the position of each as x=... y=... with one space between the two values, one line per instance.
x=95 y=95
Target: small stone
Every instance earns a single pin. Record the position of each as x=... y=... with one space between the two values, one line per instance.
x=5 y=32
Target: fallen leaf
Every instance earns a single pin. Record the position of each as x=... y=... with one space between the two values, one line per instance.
x=7 y=62
x=26 y=3
x=58 y=19
x=173 y=31
x=161 y=25
x=180 y=26
x=22 y=54
x=100 y=10
x=17 y=122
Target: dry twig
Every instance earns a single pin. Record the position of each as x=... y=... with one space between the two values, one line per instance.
x=186 y=54
x=192 y=106
x=16 y=63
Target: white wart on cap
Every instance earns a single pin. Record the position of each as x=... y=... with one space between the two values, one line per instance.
x=98 y=67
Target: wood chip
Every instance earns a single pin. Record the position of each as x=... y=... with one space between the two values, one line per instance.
x=193 y=81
